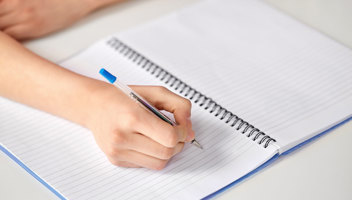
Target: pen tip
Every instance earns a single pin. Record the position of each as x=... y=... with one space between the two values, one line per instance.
x=197 y=144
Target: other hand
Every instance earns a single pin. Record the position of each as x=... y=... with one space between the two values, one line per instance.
x=25 y=19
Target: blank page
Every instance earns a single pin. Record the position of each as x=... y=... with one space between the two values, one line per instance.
x=66 y=156
x=285 y=78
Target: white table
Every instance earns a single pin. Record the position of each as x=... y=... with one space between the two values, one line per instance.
x=320 y=170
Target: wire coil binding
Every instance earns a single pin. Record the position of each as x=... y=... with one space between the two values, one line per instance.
x=186 y=90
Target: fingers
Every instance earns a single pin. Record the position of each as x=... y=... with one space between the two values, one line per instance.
x=18 y=31
x=138 y=159
x=131 y=136
x=137 y=150
x=124 y=164
x=164 y=99
x=141 y=143
x=9 y=20
x=159 y=130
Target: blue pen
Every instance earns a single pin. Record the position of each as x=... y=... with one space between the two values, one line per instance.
x=144 y=103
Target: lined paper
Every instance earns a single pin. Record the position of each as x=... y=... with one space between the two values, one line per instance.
x=66 y=156
x=285 y=78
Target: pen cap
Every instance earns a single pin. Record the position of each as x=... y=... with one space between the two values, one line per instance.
x=111 y=78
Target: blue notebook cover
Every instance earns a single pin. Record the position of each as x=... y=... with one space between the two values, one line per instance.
x=18 y=161
x=212 y=195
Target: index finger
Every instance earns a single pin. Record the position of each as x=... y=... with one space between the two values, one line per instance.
x=158 y=130
x=164 y=99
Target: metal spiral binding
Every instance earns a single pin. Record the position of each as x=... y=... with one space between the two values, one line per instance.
x=191 y=93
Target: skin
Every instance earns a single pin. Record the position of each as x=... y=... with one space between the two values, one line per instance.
x=25 y=19
x=128 y=135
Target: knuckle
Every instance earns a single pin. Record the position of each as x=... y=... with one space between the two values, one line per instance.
x=116 y=162
x=112 y=151
x=171 y=138
x=131 y=120
x=119 y=139
x=182 y=145
x=18 y=35
x=159 y=165
x=38 y=23
x=167 y=153
x=27 y=14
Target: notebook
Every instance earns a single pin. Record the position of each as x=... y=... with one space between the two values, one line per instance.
x=261 y=84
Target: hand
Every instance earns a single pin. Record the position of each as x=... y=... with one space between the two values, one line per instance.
x=33 y=18
x=130 y=136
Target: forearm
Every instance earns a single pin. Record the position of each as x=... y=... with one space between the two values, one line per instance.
x=30 y=79
x=129 y=135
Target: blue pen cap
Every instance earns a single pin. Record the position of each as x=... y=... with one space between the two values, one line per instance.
x=111 y=78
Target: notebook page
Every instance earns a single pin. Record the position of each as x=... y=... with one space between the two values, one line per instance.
x=285 y=78
x=66 y=156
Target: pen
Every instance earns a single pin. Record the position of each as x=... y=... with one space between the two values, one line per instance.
x=144 y=103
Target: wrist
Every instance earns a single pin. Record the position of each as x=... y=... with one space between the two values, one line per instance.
x=96 y=95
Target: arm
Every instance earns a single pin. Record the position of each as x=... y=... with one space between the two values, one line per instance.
x=34 y=18
x=128 y=135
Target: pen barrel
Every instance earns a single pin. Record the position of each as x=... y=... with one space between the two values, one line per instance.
x=146 y=105
x=142 y=102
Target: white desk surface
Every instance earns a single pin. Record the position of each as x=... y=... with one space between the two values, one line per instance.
x=320 y=170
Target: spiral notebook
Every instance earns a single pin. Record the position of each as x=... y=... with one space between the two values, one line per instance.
x=261 y=84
